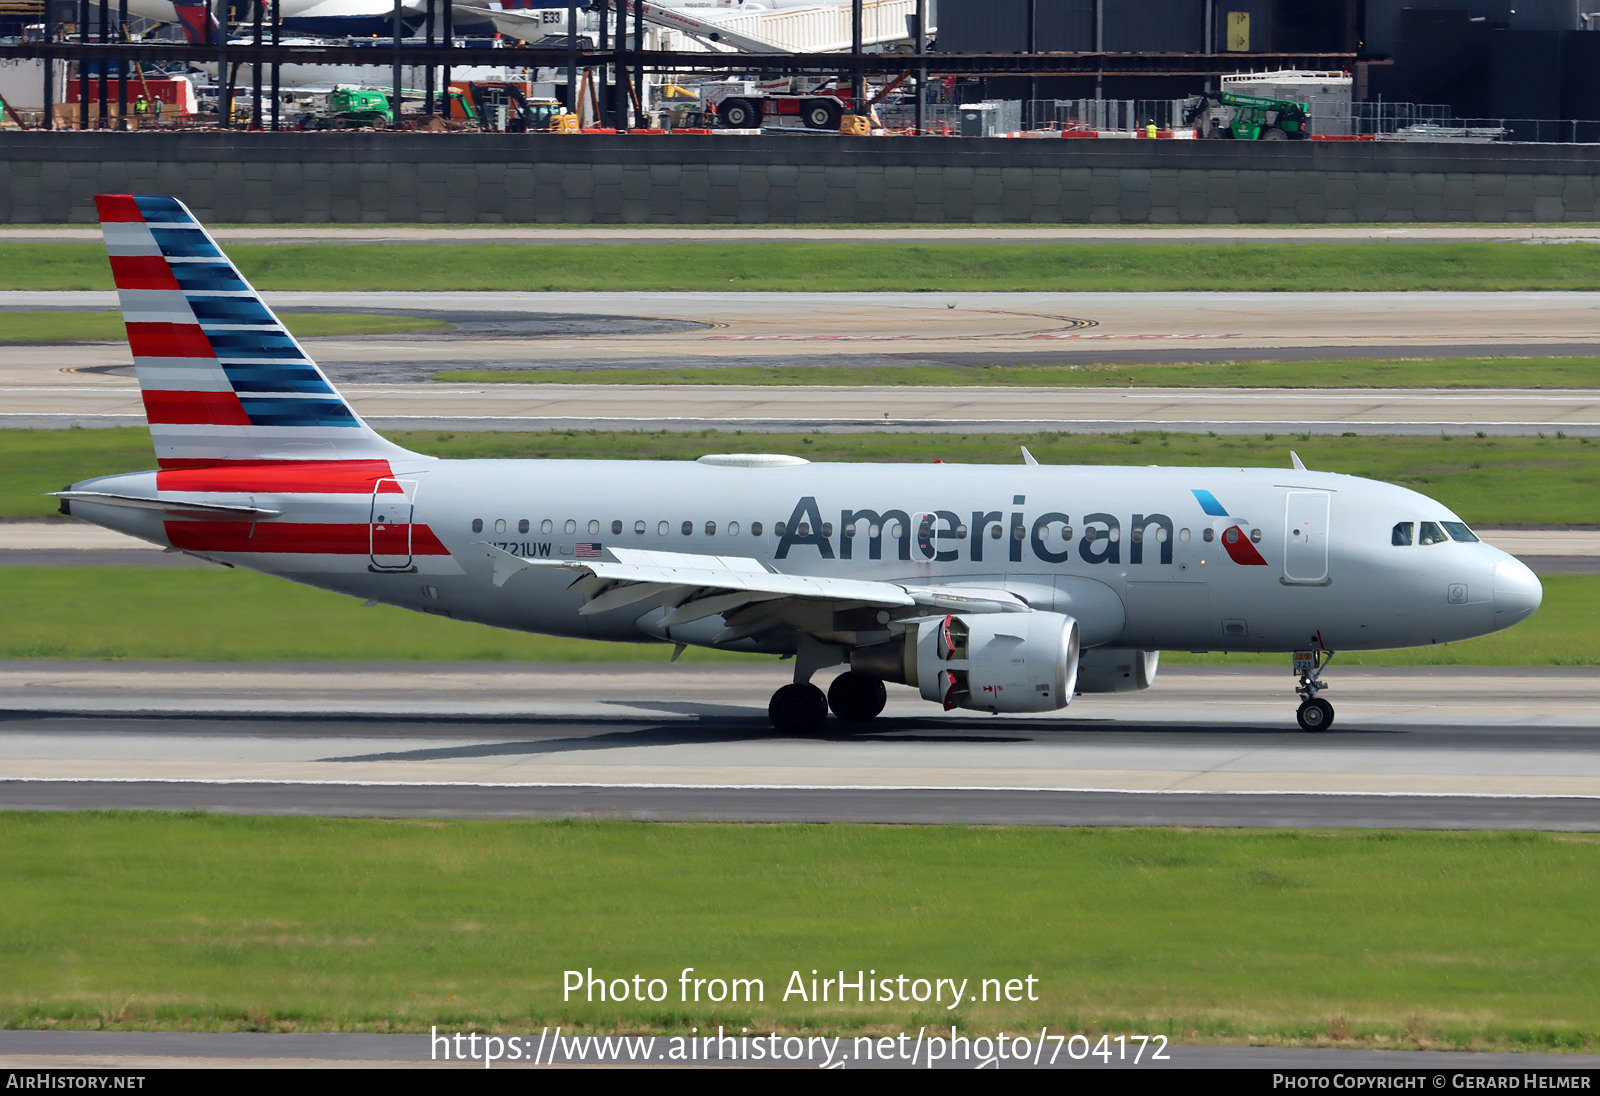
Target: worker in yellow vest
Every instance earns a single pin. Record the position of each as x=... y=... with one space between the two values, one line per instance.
x=1150 y=130
x=140 y=109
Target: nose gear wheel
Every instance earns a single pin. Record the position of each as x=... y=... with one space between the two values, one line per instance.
x=1315 y=714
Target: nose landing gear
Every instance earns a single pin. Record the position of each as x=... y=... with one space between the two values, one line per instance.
x=1315 y=714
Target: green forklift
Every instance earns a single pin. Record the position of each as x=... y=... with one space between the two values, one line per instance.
x=1226 y=116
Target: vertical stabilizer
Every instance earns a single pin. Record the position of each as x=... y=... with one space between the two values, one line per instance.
x=223 y=380
x=200 y=27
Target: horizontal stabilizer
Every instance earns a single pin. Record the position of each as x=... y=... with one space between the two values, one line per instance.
x=171 y=506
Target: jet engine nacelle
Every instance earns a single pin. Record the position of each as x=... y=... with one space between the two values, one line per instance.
x=1116 y=669
x=1005 y=662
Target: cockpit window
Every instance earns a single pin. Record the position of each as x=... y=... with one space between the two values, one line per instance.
x=1402 y=534
x=1459 y=531
x=1430 y=533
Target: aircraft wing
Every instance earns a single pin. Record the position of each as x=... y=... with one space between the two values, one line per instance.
x=692 y=587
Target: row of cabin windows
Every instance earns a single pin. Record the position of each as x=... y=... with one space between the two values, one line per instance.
x=547 y=527
x=895 y=530
x=1431 y=532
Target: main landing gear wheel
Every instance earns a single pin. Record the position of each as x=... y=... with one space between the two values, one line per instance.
x=856 y=697
x=1315 y=715
x=798 y=709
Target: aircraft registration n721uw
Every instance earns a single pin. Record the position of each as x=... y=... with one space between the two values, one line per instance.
x=991 y=588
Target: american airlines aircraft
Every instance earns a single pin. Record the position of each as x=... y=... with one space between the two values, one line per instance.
x=991 y=588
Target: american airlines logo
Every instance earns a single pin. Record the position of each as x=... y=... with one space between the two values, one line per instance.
x=1054 y=537
x=1236 y=539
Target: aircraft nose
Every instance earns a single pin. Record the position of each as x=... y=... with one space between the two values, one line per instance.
x=1517 y=592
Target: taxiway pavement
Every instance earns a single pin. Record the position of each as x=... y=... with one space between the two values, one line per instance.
x=479 y=233
x=385 y=377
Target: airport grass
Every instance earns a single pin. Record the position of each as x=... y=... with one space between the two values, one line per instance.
x=1487 y=480
x=1477 y=372
x=222 y=615
x=82 y=327
x=125 y=920
x=828 y=266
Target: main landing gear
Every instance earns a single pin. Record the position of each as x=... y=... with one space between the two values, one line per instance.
x=802 y=708
x=1315 y=714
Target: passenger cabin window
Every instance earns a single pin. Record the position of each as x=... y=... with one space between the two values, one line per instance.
x=499 y=525
x=755 y=528
x=1460 y=532
x=1430 y=533
x=546 y=525
x=638 y=528
x=1401 y=536
x=688 y=528
x=662 y=529
x=779 y=528
x=1208 y=535
x=477 y=525
x=594 y=527
x=733 y=528
x=522 y=526
x=616 y=528
x=571 y=526
x=711 y=528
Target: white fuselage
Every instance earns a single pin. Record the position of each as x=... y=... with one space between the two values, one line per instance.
x=1295 y=558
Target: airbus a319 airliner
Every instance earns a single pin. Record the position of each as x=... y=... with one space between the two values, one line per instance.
x=991 y=588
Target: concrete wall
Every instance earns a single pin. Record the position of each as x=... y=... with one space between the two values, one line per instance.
x=378 y=177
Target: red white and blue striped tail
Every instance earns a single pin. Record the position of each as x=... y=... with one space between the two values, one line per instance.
x=223 y=380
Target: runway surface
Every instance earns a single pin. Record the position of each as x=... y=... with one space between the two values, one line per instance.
x=1427 y=748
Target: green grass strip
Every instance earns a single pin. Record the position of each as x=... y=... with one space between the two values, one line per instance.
x=1488 y=480
x=1559 y=372
x=859 y=267
x=78 y=327
x=1477 y=941
x=223 y=615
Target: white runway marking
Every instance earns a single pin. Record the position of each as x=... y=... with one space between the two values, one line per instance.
x=660 y=786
